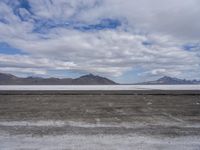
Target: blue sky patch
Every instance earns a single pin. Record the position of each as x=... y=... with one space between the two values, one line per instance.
x=25 y=4
x=131 y=76
x=43 y=26
x=16 y=5
x=191 y=46
x=147 y=43
x=103 y=24
x=9 y=50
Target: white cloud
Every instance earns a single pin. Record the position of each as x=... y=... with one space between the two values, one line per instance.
x=165 y=25
x=173 y=17
x=28 y=64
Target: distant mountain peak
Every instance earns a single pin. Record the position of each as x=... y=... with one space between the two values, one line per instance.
x=171 y=80
x=6 y=76
x=94 y=79
x=33 y=77
x=89 y=75
x=167 y=77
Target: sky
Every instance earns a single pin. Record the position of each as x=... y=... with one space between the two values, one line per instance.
x=127 y=41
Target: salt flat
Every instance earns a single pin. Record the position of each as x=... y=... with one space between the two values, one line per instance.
x=96 y=87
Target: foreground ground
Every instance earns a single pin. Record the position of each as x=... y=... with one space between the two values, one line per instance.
x=100 y=120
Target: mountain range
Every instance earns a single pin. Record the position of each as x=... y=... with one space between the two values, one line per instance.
x=89 y=79
x=170 y=81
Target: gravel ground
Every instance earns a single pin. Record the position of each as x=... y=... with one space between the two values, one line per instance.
x=100 y=120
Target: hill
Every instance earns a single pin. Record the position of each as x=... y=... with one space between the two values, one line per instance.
x=170 y=81
x=90 y=79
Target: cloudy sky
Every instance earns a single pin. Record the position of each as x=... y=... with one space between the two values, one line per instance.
x=125 y=40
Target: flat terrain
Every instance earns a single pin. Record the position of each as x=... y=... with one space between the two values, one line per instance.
x=98 y=87
x=100 y=120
